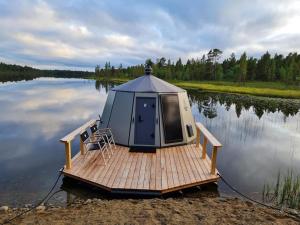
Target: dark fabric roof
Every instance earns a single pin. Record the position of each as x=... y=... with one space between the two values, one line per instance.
x=148 y=83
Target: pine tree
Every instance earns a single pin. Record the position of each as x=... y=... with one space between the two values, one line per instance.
x=213 y=55
x=251 y=68
x=97 y=70
x=243 y=67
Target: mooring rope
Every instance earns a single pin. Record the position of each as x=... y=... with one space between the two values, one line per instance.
x=44 y=199
x=253 y=200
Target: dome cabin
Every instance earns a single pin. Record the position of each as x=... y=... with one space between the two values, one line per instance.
x=150 y=113
x=145 y=115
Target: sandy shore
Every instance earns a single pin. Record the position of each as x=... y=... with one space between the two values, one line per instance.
x=154 y=211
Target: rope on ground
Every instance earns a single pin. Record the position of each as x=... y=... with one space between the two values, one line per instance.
x=253 y=200
x=44 y=199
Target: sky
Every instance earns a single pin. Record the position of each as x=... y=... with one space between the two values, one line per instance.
x=79 y=34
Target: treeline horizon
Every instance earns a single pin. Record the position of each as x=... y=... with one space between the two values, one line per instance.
x=13 y=72
x=208 y=67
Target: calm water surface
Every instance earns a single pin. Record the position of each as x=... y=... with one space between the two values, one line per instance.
x=260 y=136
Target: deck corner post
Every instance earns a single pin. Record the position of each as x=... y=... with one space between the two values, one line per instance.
x=198 y=137
x=81 y=147
x=68 y=155
x=204 y=147
x=214 y=160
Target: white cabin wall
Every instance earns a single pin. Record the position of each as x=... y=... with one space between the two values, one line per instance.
x=186 y=116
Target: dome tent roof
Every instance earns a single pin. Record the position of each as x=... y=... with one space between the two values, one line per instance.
x=148 y=83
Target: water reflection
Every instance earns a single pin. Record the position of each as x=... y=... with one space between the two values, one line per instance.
x=260 y=135
x=34 y=116
x=208 y=102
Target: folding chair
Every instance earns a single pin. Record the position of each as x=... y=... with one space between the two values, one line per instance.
x=94 y=144
x=106 y=133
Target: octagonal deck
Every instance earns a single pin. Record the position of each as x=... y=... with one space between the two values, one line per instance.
x=167 y=170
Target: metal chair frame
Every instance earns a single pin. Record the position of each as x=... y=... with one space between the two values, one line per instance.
x=98 y=141
x=106 y=132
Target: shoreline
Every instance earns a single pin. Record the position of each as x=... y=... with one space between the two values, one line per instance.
x=263 y=89
x=202 y=210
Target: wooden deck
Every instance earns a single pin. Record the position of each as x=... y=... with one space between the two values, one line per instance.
x=167 y=170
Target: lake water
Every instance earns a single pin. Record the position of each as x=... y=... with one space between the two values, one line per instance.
x=260 y=135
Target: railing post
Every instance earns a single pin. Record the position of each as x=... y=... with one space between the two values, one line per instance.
x=198 y=138
x=214 y=160
x=68 y=155
x=204 y=147
x=81 y=147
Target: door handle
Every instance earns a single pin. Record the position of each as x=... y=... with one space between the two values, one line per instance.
x=140 y=119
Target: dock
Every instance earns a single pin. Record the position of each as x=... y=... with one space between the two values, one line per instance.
x=168 y=169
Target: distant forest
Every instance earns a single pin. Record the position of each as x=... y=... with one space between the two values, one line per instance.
x=9 y=72
x=208 y=67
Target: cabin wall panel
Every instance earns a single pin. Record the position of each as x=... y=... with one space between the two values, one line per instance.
x=121 y=117
x=107 y=109
x=186 y=116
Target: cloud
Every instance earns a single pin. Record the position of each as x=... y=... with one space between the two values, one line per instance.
x=80 y=34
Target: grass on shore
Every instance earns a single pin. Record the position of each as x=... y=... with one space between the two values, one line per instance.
x=268 y=89
x=285 y=192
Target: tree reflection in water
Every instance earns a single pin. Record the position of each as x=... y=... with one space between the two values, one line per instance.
x=207 y=103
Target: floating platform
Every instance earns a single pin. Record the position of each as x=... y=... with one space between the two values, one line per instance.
x=168 y=169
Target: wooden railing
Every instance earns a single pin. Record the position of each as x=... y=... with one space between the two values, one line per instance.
x=67 y=140
x=207 y=136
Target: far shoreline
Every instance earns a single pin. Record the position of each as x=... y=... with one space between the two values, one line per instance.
x=255 y=88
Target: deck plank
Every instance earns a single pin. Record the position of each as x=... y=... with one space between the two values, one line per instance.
x=197 y=153
x=188 y=165
x=173 y=167
x=197 y=169
x=91 y=158
x=181 y=178
x=183 y=167
x=117 y=168
x=141 y=178
x=77 y=167
x=120 y=179
x=111 y=168
x=101 y=171
x=197 y=165
x=152 y=172
x=158 y=172
x=164 y=177
x=170 y=179
x=136 y=173
x=202 y=163
x=146 y=184
x=129 y=178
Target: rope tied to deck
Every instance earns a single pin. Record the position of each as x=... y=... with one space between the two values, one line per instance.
x=42 y=201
